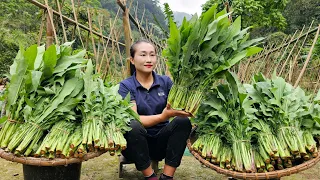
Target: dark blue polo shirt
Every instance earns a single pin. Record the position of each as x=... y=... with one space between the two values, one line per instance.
x=149 y=102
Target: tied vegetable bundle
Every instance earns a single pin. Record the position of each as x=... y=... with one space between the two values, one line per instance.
x=262 y=127
x=105 y=115
x=225 y=117
x=288 y=111
x=45 y=87
x=55 y=109
x=199 y=51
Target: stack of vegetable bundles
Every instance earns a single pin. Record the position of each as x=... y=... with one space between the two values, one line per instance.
x=264 y=126
x=199 y=51
x=57 y=107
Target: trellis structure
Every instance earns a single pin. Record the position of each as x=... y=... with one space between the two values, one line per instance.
x=288 y=59
x=107 y=48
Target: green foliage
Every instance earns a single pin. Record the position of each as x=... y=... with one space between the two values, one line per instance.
x=276 y=38
x=19 y=24
x=168 y=12
x=302 y=12
x=256 y=13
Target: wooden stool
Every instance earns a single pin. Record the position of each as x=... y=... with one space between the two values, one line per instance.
x=123 y=160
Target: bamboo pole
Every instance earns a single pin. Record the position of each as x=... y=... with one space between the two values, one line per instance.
x=117 y=35
x=44 y=16
x=308 y=58
x=62 y=23
x=297 y=55
x=128 y=39
x=49 y=37
x=100 y=21
x=92 y=39
x=294 y=46
x=76 y=20
x=50 y=22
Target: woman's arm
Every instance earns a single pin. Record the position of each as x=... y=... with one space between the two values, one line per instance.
x=151 y=120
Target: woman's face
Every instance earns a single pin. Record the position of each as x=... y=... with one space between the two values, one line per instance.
x=145 y=58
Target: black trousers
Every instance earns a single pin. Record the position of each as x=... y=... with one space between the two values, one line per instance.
x=169 y=143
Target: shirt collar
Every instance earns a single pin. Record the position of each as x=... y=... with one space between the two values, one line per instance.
x=155 y=80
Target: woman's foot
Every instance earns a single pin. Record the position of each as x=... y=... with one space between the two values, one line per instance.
x=165 y=177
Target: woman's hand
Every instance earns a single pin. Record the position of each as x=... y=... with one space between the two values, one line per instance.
x=168 y=112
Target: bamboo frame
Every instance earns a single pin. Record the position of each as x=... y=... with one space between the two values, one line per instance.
x=296 y=39
x=42 y=6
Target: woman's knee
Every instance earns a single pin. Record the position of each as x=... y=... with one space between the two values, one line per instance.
x=136 y=127
x=183 y=122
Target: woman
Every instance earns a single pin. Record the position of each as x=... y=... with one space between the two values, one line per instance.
x=156 y=138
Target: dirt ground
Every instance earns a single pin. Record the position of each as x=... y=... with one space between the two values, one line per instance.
x=106 y=167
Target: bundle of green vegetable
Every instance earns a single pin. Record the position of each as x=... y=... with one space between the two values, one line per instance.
x=55 y=141
x=270 y=125
x=282 y=106
x=45 y=87
x=105 y=114
x=55 y=109
x=227 y=113
x=199 y=51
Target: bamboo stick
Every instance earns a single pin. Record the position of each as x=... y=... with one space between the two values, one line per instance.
x=42 y=26
x=296 y=57
x=49 y=38
x=294 y=46
x=76 y=20
x=62 y=23
x=285 y=40
x=308 y=58
x=92 y=39
x=128 y=39
x=285 y=51
x=50 y=19
x=112 y=25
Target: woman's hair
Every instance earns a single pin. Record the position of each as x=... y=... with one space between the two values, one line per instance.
x=133 y=51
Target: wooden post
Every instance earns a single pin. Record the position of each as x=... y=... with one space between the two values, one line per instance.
x=127 y=35
x=49 y=38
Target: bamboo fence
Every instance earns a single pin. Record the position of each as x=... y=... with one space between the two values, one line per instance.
x=292 y=59
x=106 y=43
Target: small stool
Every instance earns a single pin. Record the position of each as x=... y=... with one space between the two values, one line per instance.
x=123 y=160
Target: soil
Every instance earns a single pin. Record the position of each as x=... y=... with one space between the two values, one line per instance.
x=106 y=167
